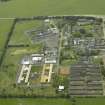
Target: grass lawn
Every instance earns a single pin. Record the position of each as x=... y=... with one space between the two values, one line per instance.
x=9 y=71
x=34 y=102
x=36 y=68
x=4 y=29
x=19 y=35
x=91 y=101
x=23 y=8
x=79 y=101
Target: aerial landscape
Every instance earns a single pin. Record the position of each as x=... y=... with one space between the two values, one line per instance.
x=52 y=52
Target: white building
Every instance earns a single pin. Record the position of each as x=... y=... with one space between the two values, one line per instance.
x=50 y=61
x=61 y=88
x=37 y=58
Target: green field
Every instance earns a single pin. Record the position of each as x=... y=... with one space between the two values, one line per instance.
x=23 y=8
x=19 y=35
x=4 y=29
x=79 y=101
x=34 y=102
x=90 y=101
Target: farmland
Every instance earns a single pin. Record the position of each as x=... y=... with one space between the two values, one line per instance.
x=28 y=8
x=79 y=101
x=34 y=102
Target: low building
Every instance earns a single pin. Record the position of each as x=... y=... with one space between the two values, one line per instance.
x=50 y=61
x=37 y=58
x=47 y=73
x=61 y=88
x=85 y=79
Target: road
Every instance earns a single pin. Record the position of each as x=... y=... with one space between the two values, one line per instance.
x=59 y=44
x=59 y=49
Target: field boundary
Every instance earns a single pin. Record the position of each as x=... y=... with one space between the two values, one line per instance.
x=7 y=41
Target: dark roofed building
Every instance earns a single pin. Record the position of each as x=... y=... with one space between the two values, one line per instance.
x=85 y=79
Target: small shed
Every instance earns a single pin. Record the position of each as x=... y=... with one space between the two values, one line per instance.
x=61 y=88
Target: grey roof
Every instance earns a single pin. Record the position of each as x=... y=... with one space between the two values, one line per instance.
x=85 y=79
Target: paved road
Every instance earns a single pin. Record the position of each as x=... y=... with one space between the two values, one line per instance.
x=59 y=49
